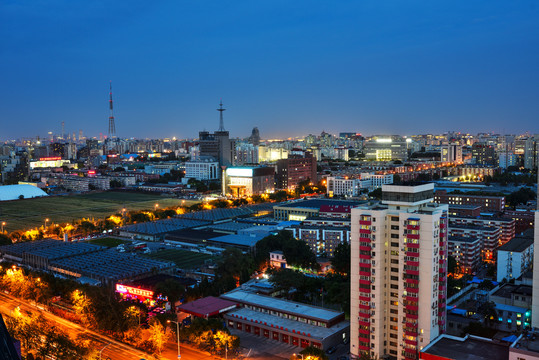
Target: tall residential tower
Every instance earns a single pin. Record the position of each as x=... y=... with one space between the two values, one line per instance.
x=398 y=273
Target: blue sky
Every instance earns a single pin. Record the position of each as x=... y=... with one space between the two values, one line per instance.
x=288 y=67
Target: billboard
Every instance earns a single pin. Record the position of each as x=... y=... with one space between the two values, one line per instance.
x=124 y=289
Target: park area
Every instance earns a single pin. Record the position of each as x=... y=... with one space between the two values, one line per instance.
x=30 y=213
x=184 y=259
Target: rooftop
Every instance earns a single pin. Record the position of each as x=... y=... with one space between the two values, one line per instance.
x=467 y=348
x=289 y=307
x=462 y=239
x=319 y=203
x=316 y=332
x=508 y=289
x=517 y=244
x=207 y=306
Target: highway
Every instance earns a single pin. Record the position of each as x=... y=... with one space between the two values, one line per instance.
x=116 y=350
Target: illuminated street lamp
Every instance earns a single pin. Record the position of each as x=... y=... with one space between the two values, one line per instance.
x=156 y=206
x=46 y=221
x=3 y=224
x=178 y=334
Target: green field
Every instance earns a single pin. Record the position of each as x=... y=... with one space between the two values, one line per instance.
x=29 y=213
x=108 y=242
x=184 y=259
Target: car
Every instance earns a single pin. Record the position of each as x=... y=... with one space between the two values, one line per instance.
x=331 y=350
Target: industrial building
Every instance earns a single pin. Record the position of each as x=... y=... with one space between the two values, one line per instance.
x=285 y=321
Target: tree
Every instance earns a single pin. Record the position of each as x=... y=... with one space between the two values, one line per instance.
x=158 y=336
x=83 y=307
x=5 y=240
x=341 y=258
x=297 y=253
x=170 y=288
x=377 y=194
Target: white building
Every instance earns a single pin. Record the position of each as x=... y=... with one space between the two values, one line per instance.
x=398 y=273
x=202 y=170
x=535 y=298
x=452 y=153
x=514 y=257
x=344 y=186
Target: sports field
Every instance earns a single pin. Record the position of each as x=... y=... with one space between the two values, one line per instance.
x=184 y=259
x=108 y=242
x=29 y=213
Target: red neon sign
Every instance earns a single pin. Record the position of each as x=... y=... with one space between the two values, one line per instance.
x=51 y=158
x=134 y=291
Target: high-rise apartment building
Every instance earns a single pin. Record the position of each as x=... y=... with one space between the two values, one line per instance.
x=398 y=273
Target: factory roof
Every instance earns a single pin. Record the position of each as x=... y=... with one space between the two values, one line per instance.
x=14 y=192
x=290 y=307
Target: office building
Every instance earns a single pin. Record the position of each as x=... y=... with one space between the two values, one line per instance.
x=398 y=273
x=452 y=153
x=248 y=181
x=299 y=166
x=202 y=170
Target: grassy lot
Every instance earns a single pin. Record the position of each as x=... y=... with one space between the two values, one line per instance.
x=183 y=258
x=108 y=242
x=29 y=213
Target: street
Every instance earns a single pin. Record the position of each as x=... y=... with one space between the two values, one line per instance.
x=116 y=350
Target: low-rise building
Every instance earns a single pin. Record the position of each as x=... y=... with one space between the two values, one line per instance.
x=515 y=257
x=288 y=322
x=466 y=251
x=487 y=203
x=489 y=237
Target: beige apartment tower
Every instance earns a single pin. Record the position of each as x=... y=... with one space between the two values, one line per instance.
x=398 y=273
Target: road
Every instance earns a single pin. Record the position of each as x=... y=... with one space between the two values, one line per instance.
x=115 y=351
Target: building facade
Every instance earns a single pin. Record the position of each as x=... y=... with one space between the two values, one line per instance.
x=398 y=273
x=298 y=167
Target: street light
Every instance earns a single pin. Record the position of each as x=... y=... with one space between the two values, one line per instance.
x=46 y=221
x=178 y=334
x=3 y=224
x=103 y=349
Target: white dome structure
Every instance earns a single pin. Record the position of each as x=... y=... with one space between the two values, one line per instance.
x=13 y=192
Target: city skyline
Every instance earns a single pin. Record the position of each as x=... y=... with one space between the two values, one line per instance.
x=398 y=69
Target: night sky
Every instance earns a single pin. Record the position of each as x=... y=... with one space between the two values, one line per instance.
x=288 y=67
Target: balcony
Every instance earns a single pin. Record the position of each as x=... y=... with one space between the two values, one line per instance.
x=365 y=248
x=413 y=263
x=364 y=323
x=411 y=326
x=412 y=227
x=411 y=307
x=364 y=282
x=412 y=254
x=413 y=236
x=412 y=272
x=411 y=316
x=364 y=222
x=412 y=245
x=364 y=231
x=363 y=331
x=410 y=342
x=362 y=256
x=364 y=307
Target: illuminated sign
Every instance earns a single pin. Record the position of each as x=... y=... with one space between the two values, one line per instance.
x=51 y=158
x=123 y=289
x=91 y=172
x=241 y=172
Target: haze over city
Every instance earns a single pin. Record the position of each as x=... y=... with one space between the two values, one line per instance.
x=289 y=68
